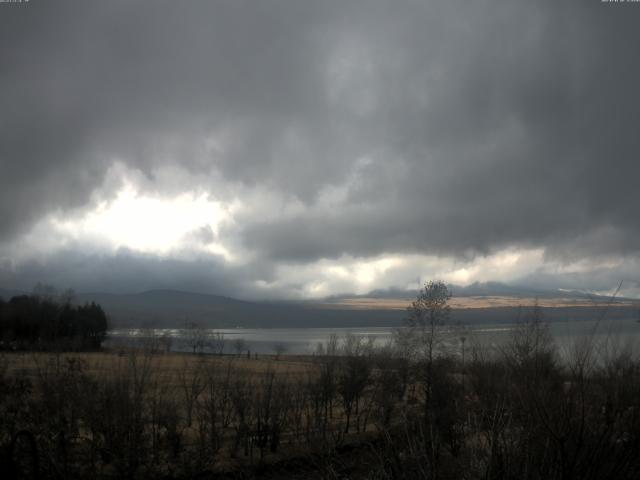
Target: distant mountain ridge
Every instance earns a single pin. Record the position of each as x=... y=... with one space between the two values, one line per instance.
x=481 y=289
x=174 y=308
x=168 y=308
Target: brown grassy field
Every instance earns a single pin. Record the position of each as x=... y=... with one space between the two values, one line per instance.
x=473 y=302
x=357 y=412
x=29 y=364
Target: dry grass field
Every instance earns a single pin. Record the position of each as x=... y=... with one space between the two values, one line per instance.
x=355 y=411
x=166 y=365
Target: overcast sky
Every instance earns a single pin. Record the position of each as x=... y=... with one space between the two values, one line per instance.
x=297 y=149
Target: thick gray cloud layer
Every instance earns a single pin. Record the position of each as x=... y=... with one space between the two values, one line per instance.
x=446 y=127
x=128 y=271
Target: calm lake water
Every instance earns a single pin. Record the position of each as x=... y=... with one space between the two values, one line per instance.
x=610 y=334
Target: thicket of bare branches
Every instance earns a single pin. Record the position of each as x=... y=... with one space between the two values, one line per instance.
x=357 y=410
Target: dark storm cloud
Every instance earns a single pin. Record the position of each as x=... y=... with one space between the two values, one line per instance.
x=599 y=278
x=84 y=83
x=129 y=271
x=527 y=137
x=483 y=125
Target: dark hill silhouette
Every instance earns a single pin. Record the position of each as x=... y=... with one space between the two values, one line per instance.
x=171 y=308
x=174 y=308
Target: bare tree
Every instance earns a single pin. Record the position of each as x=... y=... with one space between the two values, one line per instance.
x=424 y=326
x=239 y=345
x=531 y=347
x=422 y=337
x=353 y=378
x=280 y=348
x=192 y=383
x=195 y=336
x=216 y=342
x=166 y=341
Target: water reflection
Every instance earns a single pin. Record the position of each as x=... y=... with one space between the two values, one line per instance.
x=613 y=334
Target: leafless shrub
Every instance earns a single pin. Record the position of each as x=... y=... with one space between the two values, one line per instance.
x=216 y=342
x=520 y=412
x=280 y=349
x=353 y=379
x=239 y=345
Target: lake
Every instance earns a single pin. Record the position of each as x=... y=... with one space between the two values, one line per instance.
x=610 y=334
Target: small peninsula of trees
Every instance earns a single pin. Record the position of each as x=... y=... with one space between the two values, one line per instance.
x=46 y=320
